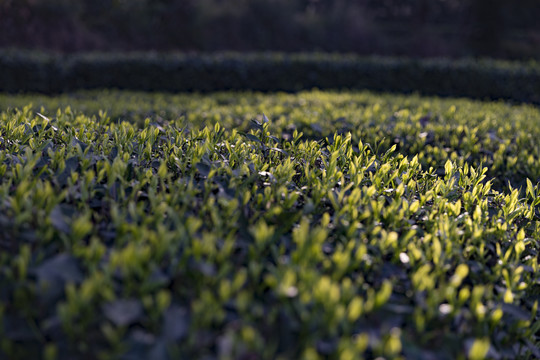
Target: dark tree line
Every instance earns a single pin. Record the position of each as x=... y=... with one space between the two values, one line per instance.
x=396 y=27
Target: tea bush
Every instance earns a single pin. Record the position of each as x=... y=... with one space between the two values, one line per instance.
x=495 y=135
x=50 y=73
x=206 y=230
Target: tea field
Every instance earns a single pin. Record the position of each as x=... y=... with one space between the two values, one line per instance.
x=315 y=225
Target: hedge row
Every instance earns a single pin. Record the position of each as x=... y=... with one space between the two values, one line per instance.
x=48 y=73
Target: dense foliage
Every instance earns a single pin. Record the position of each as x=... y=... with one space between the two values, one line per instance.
x=495 y=135
x=414 y=28
x=49 y=73
x=197 y=232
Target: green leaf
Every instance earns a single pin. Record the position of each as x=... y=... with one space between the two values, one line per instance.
x=530 y=188
x=479 y=349
x=280 y=151
x=448 y=167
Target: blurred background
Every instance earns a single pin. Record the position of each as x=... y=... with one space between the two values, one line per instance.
x=413 y=28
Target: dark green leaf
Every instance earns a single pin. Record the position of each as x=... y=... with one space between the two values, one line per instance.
x=123 y=312
x=203 y=169
x=176 y=323
x=253 y=138
x=62 y=267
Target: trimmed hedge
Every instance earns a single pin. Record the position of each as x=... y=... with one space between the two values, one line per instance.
x=48 y=73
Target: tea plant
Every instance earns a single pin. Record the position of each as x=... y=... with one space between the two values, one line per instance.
x=495 y=135
x=167 y=239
